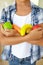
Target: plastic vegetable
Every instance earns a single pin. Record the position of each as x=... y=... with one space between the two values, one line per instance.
x=17 y=28
x=7 y=25
x=24 y=29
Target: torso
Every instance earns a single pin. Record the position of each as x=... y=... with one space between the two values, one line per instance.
x=21 y=50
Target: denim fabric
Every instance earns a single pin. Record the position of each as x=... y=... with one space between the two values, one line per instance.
x=17 y=61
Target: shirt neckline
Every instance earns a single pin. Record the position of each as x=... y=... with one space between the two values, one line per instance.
x=22 y=15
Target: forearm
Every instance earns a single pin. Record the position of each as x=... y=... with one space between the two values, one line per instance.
x=18 y=40
x=12 y=40
x=35 y=42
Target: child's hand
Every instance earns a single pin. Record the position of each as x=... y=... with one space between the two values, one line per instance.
x=35 y=34
x=8 y=32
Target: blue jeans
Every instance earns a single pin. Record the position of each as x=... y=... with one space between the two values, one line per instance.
x=16 y=61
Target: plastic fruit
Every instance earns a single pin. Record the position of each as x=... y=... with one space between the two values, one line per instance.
x=35 y=27
x=24 y=29
x=7 y=25
x=28 y=31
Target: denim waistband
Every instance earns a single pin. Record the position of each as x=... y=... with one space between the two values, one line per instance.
x=12 y=57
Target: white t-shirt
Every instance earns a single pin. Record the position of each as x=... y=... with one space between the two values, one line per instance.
x=21 y=50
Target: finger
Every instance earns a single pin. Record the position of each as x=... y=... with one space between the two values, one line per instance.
x=39 y=29
x=7 y=30
x=2 y=29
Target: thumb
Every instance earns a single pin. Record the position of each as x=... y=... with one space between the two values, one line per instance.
x=2 y=28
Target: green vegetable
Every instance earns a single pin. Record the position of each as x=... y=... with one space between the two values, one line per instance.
x=7 y=25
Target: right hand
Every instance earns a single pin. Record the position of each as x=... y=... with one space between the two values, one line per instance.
x=35 y=34
x=8 y=32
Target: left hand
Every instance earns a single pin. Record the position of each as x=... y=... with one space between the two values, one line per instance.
x=8 y=32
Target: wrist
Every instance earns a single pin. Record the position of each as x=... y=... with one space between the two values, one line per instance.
x=27 y=38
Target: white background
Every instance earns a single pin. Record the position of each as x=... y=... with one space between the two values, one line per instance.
x=35 y=1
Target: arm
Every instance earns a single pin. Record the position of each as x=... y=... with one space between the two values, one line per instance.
x=12 y=40
x=12 y=37
x=17 y=40
x=31 y=38
x=36 y=37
